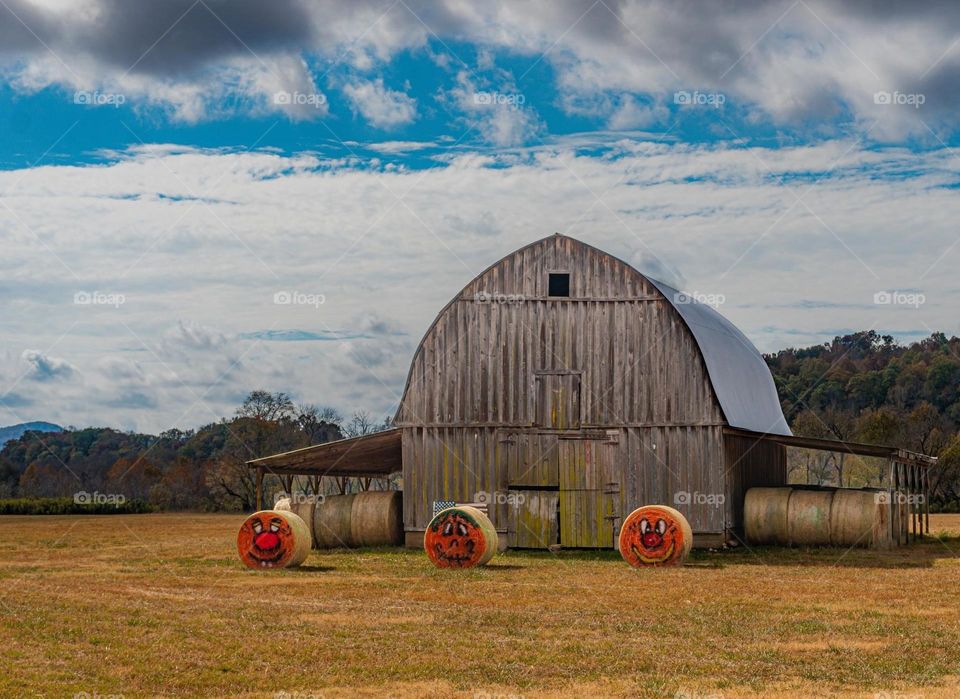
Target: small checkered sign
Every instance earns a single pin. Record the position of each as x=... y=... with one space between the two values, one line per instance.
x=442 y=505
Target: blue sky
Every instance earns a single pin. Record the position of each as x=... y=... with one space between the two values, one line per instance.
x=167 y=170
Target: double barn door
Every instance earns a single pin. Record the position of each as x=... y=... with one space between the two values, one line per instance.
x=563 y=490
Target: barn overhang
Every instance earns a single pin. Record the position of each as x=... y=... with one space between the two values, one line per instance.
x=370 y=455
x=839 y=446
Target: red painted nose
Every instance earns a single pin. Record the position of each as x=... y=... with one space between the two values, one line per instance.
x=266 y=541
x=652 y=540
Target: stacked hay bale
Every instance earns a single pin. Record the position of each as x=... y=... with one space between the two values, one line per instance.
x=817 y=516
x=370 y=518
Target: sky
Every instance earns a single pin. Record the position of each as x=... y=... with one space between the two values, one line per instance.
x=201 y=198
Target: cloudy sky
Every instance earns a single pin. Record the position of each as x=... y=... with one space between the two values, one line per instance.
x=202 y=198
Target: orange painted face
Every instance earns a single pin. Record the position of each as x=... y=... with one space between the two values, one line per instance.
x=651 y=536
x=454 y=540
x=265 y=541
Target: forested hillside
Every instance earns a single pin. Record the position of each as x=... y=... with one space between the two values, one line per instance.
x=201 y=469
x=867 y=388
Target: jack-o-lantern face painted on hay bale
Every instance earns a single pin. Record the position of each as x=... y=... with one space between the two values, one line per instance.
x=273 y=539
x=655 y=535
x=460 y=537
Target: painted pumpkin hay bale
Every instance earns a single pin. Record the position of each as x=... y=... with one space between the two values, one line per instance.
x=460 y=537
x=655 y=535
x=273 y=539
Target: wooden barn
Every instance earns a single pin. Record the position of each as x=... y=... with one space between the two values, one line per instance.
x=563 y=388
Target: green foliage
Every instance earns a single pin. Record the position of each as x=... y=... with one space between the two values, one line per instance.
x=864 y=387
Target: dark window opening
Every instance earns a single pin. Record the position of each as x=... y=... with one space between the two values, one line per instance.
x=559 y=285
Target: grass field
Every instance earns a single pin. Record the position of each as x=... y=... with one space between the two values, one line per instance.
x=144 y=605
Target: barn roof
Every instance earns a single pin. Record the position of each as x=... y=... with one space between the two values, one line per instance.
x=740 y=377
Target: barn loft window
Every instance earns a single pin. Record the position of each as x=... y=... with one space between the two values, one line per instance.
x=559 y=284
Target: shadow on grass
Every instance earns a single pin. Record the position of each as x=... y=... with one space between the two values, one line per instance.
x=920 y=554
x=313 y=569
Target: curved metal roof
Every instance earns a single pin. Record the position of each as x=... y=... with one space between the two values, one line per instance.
x=741 y=378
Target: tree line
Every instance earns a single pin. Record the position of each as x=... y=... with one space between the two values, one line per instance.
x=202 y=469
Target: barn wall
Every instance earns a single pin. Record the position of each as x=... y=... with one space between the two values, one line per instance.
x=677 y=466
x=750 y=463
x=615 y=359
x=637 y=361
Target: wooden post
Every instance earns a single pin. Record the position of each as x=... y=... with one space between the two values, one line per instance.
x=259 y=488
x=926 y=498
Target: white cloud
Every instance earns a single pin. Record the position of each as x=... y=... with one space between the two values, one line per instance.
x=199 y=267
x=790 y=62
x=381 y=106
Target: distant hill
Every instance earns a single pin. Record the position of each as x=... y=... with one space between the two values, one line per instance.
x=16 y=431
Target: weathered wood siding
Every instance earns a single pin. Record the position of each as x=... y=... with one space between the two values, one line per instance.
x=750 y=463
x=507 y=376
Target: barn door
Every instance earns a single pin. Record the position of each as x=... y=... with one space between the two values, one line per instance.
x=533 y=483
x=589 y=488
x=557 y=400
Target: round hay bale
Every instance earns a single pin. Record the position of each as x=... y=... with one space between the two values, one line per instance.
x=860 y=518
x=765 y=516
x=808 y=515
x=655 y=535
x=283 y=505
x=273 y=539
x=377 y=518
x=460 y=537
x=332 y=522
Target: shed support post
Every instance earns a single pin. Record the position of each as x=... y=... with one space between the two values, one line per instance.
x=259 y=488
x=926 y=500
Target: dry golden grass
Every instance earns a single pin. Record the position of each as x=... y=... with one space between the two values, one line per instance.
x=147 y=605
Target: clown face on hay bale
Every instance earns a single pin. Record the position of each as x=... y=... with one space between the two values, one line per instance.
x=655 y=535
x=273 y=539
x=460 y=537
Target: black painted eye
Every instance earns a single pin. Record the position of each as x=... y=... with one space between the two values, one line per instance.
x=257 y=527
x=448 y=529
x=661 y=527
x=644 y=526
x=461 y=529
